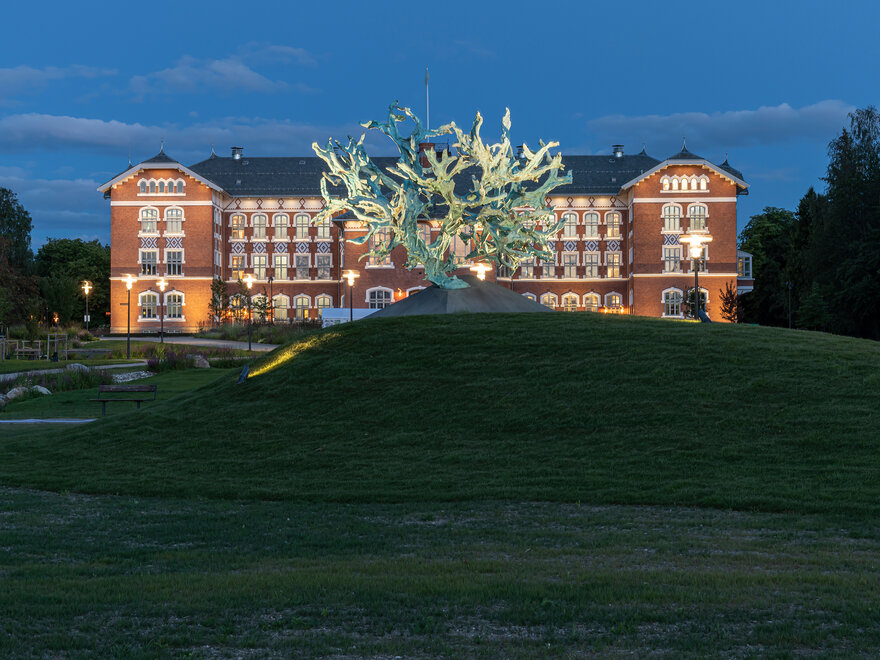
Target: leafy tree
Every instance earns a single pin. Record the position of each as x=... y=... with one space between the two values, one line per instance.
x=19 y=295
x=219 y=304
x=61 y=295
x=15 y=227
x=61 y=261
x=262 y=306
x=730 y=304
x=768 y=237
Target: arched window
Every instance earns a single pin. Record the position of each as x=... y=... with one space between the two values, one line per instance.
x=149 y=302
x=665 y=181
x=153 y=187
x=162 y=187
x=704 y=183
x=591 y=302
x=259 y=220
x=323 y=302
x=379 y=298
x=612 y=221
x=591 y=225
x=549 y=300
x=173 y=220
x=569 y=229
x=302 y=225
x=180 y=186
x=672 y=302
x=149 y=218
x=671 y=217
x=280 y=302
x=323 y=230
x=238 y=222
x=302 y=303
x=697 y=214
x=530 y=296
x=380 y=239
x=569 y=302
x=280 y=221
x=614 y=301
x=425 y=232
x=142 y=187
x=173 y=305
x=675 y=183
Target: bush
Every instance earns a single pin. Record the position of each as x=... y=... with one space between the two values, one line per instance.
x=64 y=381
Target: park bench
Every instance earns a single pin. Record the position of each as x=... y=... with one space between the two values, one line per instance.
x=140 y=392
x=27 y=352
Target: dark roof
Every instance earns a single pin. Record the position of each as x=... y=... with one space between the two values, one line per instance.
x=160 y=157
x=735 y=172
x=275 y=176
x=684 y=154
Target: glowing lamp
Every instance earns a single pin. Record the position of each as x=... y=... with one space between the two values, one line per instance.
x=162 y=284
x=481 y=270
x=87 y=287
x=249 y=281
x=129 y=281
x=351 y=276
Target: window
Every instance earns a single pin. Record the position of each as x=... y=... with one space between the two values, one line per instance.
x=322 y=264
x=380 y=241
x=548 y=269
x=174 y=306
x=569 y=264
x=671 y=217
x=744 y=265
x=149 y=305
x=527 y=269
x=302 y=267
x=530 y=296
x=237 y=266
x=614 y=301
x=612 y=261
x=148 y=262
x=174 y=221
x=180 y=187
x=142 y=187
x=697 y=214
x=153 y=187
x=549 y=300
x=280 y=265
x=259 y=261
x=379 y=298
x=591 y=302
x=569 y=302
x=149 y=218
x=323 y=302
x=672 y=259
x=302 y=225
x=672 y=302
x=569 y=229
x=259 y=221
x=665 y=183
x=612 y=219
x=459 y=248
x=591 y=261
x=302 y=304
x=701 y=262
x=324 y=229
x=425 y=232
x=280 y=221
x=591 y=225
x=704 y=183
x=174 y=262
x=238 y=227
x=280 y=303
x=162 y=187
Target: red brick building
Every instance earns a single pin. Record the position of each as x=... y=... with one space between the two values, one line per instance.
x=619 y=251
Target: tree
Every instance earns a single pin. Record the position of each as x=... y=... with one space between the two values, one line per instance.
x=768 y=237
x=689 y=301
x=15 y=227
x=730 y=304
x=498 y=213
x=262 y=306
x=219 y=304
x=59 y=262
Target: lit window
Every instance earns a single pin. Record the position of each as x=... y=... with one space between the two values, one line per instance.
x=459 y=249
x=280 y=303
x=671 y=218
x=238 y=223
x=280 y=221
x=569 y=229
x=549 y=300
x=149 y=218
x=704 y=183
x=149 y=258
x=174 y=306
x=612 y=261
x=174 y=262
x=527 y=269
x=671 y=259
x=174 y=221
x=612 y=219
x=425 y=232
x=530 y=296
x=684 y=184
x=569 y=302
x=380 y=241
x=301 y=263
x=280 y=266
x=323 y=302
x=237 y=266
x=591 y=263
x=149 y=305
x=591 y=225
x=302 y=225
x=672 y=303
x=698 y=217
x=322 y=265
x=665 y=183
x=548 y=269
x=259 y=261
x=675 y=184
x=324 y=229
x=259 y=225
x=379 y=298
x=614 y=301
x=569 y=264
x=744 y=265
x=591 y=302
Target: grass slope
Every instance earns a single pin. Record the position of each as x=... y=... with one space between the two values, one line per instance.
x=569 y=407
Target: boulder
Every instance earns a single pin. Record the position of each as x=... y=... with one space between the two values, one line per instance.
x=199 y=362
x=39 y=389
x=3 y=401
x=76 y=366
x=16 y=392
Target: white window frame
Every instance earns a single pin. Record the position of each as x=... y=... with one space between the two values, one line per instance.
x=665 y=229
x=550 y=297
x=608 y=295
x=570 y=228
x=589 y=300
x=154 y=220
x=168 y=317
x=276 y=227
x=166 y=262
x=664 y=302
x=265 y=227
x=569 y=297
x=589 y=227
x=304 y=235
x=141 y=296
x=377 y=289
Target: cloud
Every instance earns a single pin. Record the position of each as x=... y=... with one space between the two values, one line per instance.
x=26 y=78
x=734 y=128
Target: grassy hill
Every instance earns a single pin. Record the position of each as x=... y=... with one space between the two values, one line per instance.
x=567 y=407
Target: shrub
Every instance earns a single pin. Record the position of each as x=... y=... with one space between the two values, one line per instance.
x=63 y=381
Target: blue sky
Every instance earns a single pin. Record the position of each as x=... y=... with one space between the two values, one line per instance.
x=770 y=83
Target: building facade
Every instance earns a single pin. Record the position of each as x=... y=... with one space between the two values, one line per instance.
x=618 y=251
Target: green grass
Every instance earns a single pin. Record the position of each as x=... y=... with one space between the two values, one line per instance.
x=519 y=486
x=14 y=366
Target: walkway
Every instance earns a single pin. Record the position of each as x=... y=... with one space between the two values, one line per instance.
x=57 y=420
x=201 y=341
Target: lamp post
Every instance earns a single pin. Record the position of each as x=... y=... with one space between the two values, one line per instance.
x=270 y=279
x=249 y=282
x=696 y=242
x=162 y=284
x=87 y=287
x=129 y=282
x=790 y=285
x=351 y=276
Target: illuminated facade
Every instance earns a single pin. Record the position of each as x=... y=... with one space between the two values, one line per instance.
x=619 y=250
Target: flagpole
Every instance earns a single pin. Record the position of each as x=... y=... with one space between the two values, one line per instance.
x=427 y=100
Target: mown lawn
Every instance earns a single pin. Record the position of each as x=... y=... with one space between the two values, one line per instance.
x=13 y=366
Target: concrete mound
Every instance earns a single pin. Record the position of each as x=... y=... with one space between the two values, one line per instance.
x=479 y=297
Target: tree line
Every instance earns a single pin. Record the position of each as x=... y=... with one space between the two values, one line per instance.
x=46 y=288
x=820 y=264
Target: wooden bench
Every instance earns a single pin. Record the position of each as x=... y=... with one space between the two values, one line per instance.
x=28 y=352
x=124 y=389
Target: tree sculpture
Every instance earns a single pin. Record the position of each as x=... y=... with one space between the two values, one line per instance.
x=500 y=200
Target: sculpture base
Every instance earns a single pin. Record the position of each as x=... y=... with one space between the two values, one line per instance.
x=479 y=297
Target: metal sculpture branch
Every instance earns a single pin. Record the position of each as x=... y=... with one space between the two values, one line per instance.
x=486 y=195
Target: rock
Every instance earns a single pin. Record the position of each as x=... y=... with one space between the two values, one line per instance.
x=3 y=401
x=16 y=392
x=199 y=362
x=76 y=366
x=39 y=389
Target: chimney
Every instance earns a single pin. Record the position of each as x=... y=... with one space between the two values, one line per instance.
x=519 y=151
x=236 y=153
x=617 y=150
x=423 y=147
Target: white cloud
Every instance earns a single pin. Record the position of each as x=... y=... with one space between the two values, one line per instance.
x=26 y=78
x=734 y=128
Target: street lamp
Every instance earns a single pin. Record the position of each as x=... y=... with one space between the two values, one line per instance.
x=129 y=282
x=351 y=276
x=696 y=242
x=270 y=279
x=162 y=284
x=249 y=282
x=481 y=269
x=87 y=287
